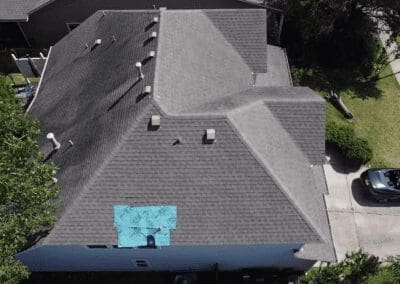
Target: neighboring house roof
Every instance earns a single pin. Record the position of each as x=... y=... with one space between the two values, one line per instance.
x=19 y=10
x=254 y=185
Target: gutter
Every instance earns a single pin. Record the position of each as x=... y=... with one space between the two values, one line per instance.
x=40 y=82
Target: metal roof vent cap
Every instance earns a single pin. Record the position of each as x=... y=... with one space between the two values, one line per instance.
x=155 y=20
x=153 y=35
x=97 y=42
x=151 y=54
x=139 y=67
x=54 y=142
x=210 y=135
x=155 y=121
x=147 y=89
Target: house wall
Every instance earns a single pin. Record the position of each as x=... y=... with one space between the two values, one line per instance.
x=48 y=25
x=174 y=258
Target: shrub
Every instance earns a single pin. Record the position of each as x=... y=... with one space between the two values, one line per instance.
x=351 y=146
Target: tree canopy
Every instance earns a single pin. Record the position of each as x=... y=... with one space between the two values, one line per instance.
x=28 y=193
x=339 y=34
x=357 y=267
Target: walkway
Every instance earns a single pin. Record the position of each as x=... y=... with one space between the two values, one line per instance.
x=357 y=221
x=395 y=64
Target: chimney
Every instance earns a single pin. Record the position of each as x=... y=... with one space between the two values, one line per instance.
x=139 y=67
x=54 y=142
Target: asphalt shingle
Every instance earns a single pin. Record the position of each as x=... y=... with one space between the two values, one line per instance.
x=254 y=185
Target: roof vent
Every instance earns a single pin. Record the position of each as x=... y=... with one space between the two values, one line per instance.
x=54 y=142
x=210 y=135
x=151 y=54
x=139 y=67
x=155 y=20
x=155 y=121
x=147 y=90
x=141 y=263
x=113 y=39
x=151 y=241
x=153 y=35
x=97 y=42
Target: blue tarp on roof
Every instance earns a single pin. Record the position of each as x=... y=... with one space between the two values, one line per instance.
x=134 y=224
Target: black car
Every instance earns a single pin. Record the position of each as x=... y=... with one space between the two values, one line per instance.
x=383 y=184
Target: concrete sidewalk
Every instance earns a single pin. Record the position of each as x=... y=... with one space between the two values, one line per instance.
x=357 y=221
x=395 y=64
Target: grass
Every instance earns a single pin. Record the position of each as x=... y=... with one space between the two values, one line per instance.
x=18 y=79
x=377 y=118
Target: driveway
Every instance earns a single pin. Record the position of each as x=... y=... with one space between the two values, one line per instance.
x=356 y=221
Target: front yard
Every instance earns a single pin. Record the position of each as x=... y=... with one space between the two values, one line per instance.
x=377 y=118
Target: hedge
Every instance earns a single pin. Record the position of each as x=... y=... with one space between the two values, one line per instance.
x=352 y=147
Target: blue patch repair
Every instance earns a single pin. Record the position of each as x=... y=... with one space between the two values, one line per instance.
x=134 y=224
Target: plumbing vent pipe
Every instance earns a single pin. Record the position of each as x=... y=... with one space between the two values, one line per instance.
x=113 y=39
x=210 y=134
x=42 y=56
x=155 y=20
x=147 y=89
x=54 y=142
x=97 y=42
x=139 y=67
x=155 y=121
x=153 y=35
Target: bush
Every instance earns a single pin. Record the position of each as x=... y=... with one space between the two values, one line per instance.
x=357 y=267
x=352 y=147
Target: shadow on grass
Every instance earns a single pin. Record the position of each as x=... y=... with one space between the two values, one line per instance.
x=339 y=80
x=338 y=162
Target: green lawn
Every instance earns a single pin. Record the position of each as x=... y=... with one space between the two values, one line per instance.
x=377 y=119
x=18 y=79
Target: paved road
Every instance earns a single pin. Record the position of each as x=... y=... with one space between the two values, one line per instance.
x=356 y=221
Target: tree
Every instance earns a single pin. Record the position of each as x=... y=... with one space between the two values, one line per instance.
x=339 y=34
x=27 y=191
x=357 y=267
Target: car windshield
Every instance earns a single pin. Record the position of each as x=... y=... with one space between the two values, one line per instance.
x=394 y=178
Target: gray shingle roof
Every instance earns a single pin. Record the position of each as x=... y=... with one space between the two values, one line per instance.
x=254 y=185
x=18 y=10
